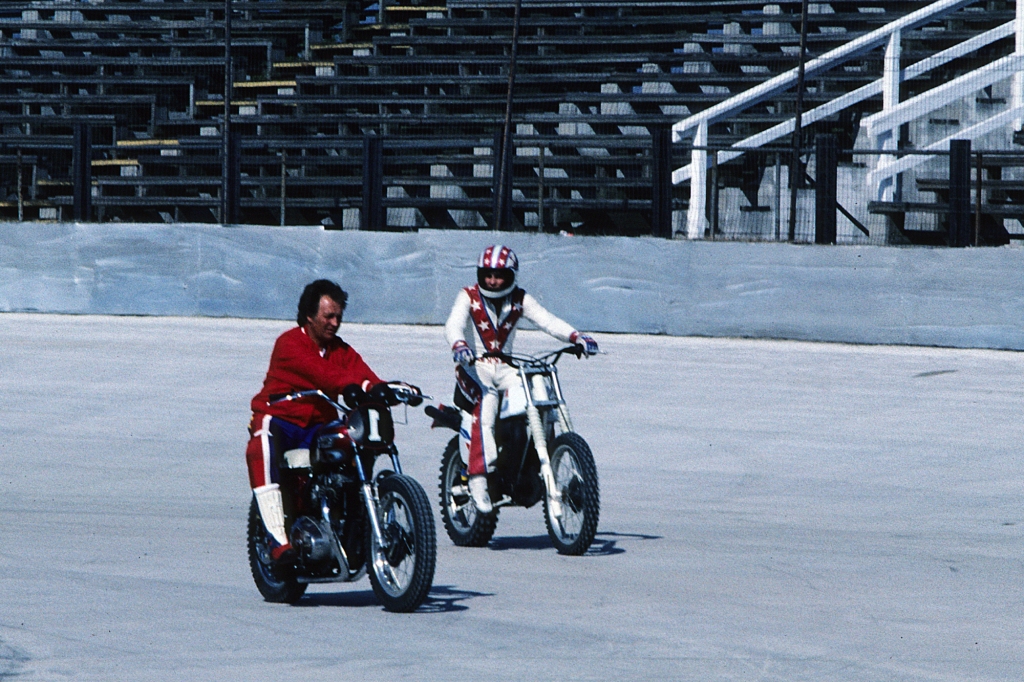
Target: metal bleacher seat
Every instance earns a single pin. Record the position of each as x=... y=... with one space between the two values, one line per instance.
x=311 y=78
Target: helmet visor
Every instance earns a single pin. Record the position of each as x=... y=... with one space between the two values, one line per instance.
x=495 y=279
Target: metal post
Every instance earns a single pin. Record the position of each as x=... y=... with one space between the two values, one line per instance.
x=226 y=125
x=794 y=164
x=778 y=195
x=959 y=193
x=661 y=181
x=373 y=216
x=1017 y=87
x=21 y=193
x=888 y=188
x=826 y=150
x=540 y=191
x=232 y=213
x=497 y=177
x=977 y=199
x=696 y=220
x=714 y=194
x=81 y=172
x=503 y=208
x=284 y=175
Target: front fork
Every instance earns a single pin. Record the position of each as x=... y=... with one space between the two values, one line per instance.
x=370 y=500
x=540 y=440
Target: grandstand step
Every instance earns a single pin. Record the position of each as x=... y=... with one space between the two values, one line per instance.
x=1014 y=211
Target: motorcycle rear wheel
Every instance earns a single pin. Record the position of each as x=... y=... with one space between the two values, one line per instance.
x=402 y=572
x=464 y=524
x=572 y=465
x=276 y=583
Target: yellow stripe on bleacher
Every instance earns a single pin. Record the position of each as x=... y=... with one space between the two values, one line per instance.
x=299 y=65
x=220 y=103
x=265 y=84
x=147 y=143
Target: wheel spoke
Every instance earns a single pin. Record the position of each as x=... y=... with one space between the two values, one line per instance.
x=464 y=510
x=460 y=506
x=462 y=520
x=402 y=557
x=386 y=574
x=395 y=562
x=572 y=466
x=571 y=491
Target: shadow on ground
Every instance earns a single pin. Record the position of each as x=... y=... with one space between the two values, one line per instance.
x=520 y=542
x=445 y=599
x=605 y=543
x=441 y=599
x=348 y=599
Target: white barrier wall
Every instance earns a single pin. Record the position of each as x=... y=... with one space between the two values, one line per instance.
x=967 y=297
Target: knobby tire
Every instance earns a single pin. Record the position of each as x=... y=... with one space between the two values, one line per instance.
x=463 y=531
x=586 y=491
x=424 y=545
x=276 y=584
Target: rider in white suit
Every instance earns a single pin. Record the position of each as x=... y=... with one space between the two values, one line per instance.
x=483 y=320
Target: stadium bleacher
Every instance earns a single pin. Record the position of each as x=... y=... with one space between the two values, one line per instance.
x=595 y=80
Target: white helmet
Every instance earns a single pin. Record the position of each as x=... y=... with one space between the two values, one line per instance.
x=497 y=258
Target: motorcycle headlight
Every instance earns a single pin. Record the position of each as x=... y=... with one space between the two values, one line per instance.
x=371 y=425
x=356 y=426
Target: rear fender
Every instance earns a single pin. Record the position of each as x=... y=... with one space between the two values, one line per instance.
x=444 y=415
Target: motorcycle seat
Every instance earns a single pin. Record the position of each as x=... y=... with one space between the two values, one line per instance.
x=297 y=458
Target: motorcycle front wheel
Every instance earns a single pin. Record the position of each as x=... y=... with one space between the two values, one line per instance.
x=575 y=473
x=464 y=524
x=276 y=583
x=402 y=570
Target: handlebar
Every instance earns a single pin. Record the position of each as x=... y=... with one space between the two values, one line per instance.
x=402 y=393
x=277 y=398
x=550 y=358
x=410 y=395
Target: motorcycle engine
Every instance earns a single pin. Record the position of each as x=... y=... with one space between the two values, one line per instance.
x=310 y=541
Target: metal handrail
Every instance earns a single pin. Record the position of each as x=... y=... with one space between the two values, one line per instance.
x=854 y=97
x=834 y=57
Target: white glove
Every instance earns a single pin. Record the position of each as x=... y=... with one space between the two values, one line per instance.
x=586 y=341
x=462 y=353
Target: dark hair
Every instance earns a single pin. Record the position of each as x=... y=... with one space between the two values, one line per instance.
x=309 y=302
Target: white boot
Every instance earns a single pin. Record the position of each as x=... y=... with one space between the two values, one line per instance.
x=268 y=499
x=478 y=489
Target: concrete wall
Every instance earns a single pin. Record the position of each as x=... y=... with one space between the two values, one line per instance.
x=969 y=298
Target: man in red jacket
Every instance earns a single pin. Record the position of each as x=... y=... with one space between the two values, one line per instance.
x=309 y=356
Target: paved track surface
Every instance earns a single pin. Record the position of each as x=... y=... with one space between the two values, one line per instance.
x=771 y=511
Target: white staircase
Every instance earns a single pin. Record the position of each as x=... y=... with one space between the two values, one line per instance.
x=882 y=128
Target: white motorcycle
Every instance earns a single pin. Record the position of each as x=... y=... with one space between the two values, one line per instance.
x=540 y=457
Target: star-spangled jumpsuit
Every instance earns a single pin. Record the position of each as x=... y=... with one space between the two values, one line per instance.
x=489 y=325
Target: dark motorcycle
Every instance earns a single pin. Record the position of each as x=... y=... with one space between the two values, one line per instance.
x=343 y=520
x=540 y=457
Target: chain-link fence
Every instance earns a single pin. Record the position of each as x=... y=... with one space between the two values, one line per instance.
x=955 y=197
